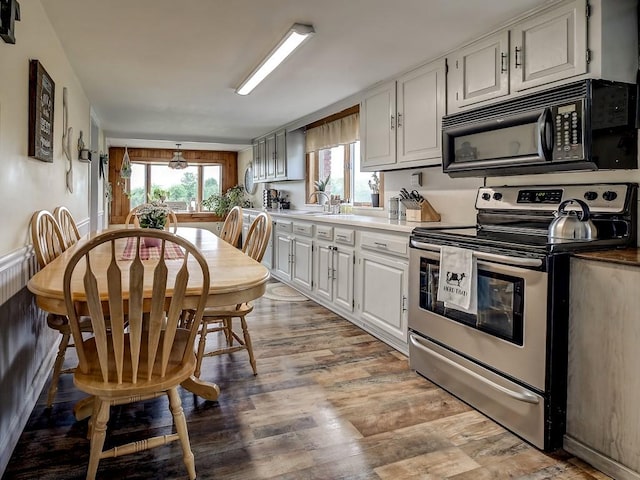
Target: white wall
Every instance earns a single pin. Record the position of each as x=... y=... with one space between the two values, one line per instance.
x=27 y=184
x=27 y=345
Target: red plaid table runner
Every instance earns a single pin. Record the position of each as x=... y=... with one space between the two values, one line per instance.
x=171 y=251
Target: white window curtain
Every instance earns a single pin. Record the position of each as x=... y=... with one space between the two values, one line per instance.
x=343 y=131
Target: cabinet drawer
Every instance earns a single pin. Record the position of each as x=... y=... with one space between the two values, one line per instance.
x=345 y=236
x=324 y=232
x=284 y=226
x=385 y=243
x=305 y=229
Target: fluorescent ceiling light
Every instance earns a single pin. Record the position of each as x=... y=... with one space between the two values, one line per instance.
x=292 y=40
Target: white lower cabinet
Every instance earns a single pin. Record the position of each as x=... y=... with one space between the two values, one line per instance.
x=383 y=293
x=368 y=288
x=334 y=270
x=302 y=257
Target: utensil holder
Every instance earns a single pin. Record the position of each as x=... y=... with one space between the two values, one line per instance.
x=420 y=211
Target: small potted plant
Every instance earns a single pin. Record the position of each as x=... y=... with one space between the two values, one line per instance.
x=374 y=186
x=321 y=186
x=153 y=215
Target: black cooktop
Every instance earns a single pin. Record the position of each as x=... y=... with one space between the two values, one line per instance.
x=525 y=241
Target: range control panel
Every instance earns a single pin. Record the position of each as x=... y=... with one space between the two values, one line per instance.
x=601 y=197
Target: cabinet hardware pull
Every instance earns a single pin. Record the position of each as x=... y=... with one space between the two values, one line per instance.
x=341 y=237
x=404 y=303
x=392 y=122
x=399 y=120
x=517 y=52
x=503 y=62
x=380 y=244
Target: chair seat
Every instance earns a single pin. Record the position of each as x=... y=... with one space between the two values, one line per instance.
x=177 y=371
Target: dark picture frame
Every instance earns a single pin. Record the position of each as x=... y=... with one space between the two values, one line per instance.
x=42 y=91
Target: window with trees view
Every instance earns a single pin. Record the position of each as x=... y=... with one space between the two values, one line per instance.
x=333 y=152
x=183 y=189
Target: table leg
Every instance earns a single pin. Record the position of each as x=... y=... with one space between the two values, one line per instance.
x=206 y=390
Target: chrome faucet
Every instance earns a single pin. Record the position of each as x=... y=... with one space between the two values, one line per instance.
x=318 y=193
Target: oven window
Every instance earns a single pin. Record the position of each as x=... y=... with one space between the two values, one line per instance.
x=500 y=302
x=509 y=142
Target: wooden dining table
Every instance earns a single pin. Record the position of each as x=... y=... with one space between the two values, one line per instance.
x=235 y=278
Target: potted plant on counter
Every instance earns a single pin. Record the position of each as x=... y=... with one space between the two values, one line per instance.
x=222 y=203
x=374 y=186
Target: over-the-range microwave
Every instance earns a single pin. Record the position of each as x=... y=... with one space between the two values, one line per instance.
x=587 y=125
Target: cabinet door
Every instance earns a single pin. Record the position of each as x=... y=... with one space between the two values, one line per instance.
x=270 y=161
x=421 y=105
x=267 y=259
x=479 y=72
x=378 y=127
x=549 y=47
x=343 y=278
x=324 y=271
x=283 y=256
x=260 y=167
x=281 y=155
x=384 y=290
x=302 y=262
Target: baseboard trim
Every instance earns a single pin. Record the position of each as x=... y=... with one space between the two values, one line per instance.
x=603 y=463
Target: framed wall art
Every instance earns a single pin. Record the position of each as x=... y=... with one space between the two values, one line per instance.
x=41 y=103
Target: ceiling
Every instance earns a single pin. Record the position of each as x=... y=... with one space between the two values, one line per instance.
x=166 y=70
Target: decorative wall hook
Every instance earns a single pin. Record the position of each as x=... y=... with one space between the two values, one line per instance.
x=83 y=152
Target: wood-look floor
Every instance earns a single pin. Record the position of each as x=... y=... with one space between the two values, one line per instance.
x=329 y=402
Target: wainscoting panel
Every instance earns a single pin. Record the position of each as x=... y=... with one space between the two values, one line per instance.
x=27 y=349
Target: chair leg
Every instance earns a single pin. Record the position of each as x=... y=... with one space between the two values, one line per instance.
x=203 y=342
x=228 y=330
x=98 y=434
x=57 y=368
x=181 y=427
x=247 y=343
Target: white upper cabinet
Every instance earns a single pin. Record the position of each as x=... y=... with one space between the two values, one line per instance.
x=479 y=71
x=279 y=156
x=420 y=107
x=563 y=43
x=377 y=126
x=550 y=46
x=400 y=120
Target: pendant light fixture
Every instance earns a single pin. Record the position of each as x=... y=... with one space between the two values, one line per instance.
x=178 y=162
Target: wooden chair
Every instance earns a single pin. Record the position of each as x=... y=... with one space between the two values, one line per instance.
x=232 y=227
x=67 y=225
x=220 y=319
x=48 y=243
x=120 y=365
x=132 y=219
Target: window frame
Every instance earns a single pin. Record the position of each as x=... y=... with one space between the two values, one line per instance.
x=119 y=205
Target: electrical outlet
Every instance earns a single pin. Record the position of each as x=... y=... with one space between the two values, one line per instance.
x=416 y=179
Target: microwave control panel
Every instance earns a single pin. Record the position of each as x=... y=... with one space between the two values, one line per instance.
x=568 y=128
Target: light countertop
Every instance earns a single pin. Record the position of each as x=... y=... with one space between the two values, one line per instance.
x=381 y=223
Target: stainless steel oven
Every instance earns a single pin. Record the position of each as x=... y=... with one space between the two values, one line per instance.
x=508 y=358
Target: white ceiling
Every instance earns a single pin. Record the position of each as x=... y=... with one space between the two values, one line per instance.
x=167 y=69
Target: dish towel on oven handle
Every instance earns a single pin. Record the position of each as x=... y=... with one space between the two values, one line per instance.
x=457 y=286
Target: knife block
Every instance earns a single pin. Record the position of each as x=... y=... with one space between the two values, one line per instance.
x=420 y=211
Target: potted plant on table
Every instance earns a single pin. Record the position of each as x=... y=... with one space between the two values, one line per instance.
x=153 y=215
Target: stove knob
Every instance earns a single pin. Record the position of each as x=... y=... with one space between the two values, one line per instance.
x=497 y=196
x=609 y=196
x=590 y=196
x=486 y=196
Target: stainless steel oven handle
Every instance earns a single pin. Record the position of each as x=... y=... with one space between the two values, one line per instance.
x=521 y=396
x=517 y=261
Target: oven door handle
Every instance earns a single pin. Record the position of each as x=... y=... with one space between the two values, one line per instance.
x=515 y=261
x=521 y=396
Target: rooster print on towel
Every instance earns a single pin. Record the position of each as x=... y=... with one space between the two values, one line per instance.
x=456 y=284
